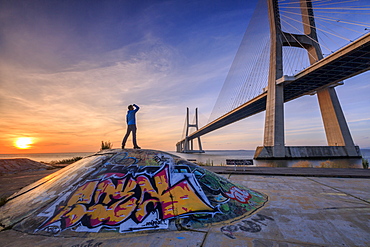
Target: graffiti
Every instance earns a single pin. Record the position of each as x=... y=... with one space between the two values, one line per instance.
x=122 y=164
x=250 y=226
x=122 y=159
x=161 y=159
x=52 y=229
x=259 y=218
x=112 y=201
x=238 y=194
x=253 y=225
x=154 y=223
x=214 y=184
x=88 y=243
x=140 y=190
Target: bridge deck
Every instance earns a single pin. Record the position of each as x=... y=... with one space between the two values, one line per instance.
x=347 y=62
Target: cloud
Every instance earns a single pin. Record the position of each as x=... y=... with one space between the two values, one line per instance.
x=88 y=101
x=68 y=74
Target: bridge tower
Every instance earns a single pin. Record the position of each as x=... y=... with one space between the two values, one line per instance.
x=187 y=145
x=340 y=143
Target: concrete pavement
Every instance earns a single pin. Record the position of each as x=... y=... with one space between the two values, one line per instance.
x=293 y=171
x=301 y=211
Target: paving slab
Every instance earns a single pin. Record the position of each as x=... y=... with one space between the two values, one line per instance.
x=181 y=239
x=358 y=188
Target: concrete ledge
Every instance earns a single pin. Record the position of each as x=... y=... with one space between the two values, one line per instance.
x=313 y=152
x=294 y=171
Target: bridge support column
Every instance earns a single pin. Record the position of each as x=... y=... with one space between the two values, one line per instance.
x=336 y=128
x=274 y=119
x=187 y=144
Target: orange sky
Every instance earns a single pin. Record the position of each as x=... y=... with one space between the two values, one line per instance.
x=67 y=76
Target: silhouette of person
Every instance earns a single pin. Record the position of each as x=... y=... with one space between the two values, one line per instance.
x=131 y=125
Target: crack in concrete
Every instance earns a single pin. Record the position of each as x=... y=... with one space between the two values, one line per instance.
x=345 y=208
x=340 y=191
x=205 y=237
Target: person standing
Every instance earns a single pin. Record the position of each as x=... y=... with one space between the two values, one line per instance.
x=131 y=125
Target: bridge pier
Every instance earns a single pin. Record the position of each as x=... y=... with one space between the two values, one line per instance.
x=309 y=152
x=274 y=118
x=187 y=145
x=335 y=124
x=340 y=143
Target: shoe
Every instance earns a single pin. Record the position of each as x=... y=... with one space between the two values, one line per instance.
x=123 y=147
x=137 y=147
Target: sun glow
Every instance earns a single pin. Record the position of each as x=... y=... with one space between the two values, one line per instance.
x=23 y=142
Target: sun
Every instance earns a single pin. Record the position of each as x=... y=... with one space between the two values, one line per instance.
x=23 y=142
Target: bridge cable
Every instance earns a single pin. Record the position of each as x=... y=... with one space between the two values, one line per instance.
x=337 y=2
x=288 y=53
x=248 y=73
x=357 y=23
x=246 y=65
x=316 y=28
x=302 y=46
x=284 y=3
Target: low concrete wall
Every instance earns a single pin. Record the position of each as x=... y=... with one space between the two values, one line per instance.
x=315 y=152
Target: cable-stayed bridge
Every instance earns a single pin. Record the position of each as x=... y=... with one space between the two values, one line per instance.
x=265 y=84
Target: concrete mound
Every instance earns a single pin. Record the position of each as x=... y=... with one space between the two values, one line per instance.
x=127 y=190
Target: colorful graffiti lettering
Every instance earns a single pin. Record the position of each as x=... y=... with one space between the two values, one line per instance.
x=113 y=200
x=238 y=194
x=217 y=184
x=146 y=190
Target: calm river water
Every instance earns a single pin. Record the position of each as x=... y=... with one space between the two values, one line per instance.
x=217 y=157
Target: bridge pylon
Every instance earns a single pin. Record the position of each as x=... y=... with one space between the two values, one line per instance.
x=340 y=143
x=187 y=144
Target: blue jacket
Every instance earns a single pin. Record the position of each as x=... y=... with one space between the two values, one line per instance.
x=130 y=117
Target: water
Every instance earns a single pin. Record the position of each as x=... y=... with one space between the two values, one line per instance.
x=218 y=157
x=215 y=157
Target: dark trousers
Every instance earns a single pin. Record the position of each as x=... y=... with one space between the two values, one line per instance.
x=130 y=128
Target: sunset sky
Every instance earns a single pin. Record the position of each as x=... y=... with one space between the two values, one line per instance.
x=68 y=70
